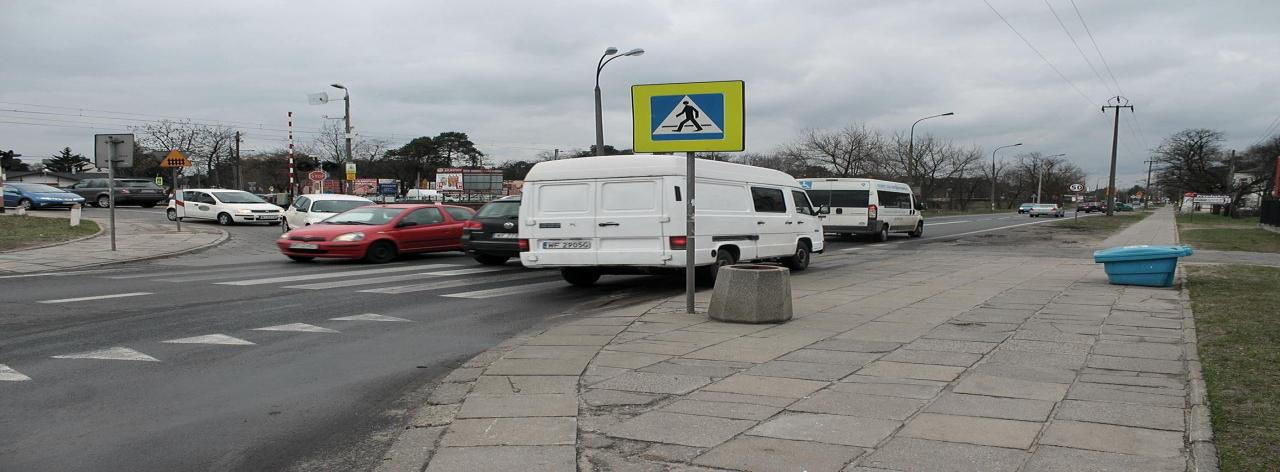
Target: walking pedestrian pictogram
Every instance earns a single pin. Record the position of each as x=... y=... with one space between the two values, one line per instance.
x=695 y=116
x=691 y=117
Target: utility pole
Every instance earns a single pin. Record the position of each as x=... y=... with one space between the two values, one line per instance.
x=556 y=156
x=1231 y=183
x=239 y=175
x=1147 y=194
x=1115 y=139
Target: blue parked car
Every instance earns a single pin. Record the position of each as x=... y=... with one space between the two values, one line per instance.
x=31 y=196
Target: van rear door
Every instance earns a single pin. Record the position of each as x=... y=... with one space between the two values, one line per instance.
x=629 y=222
x=562 y=222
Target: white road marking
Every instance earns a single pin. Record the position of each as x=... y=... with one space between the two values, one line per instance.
x=9 y=375
x=369 y=317
x=851 y=249
x=328 y=275
x=118 y=353
x=988 y=230
x=503 y=291
x=211 y=339
x=160 y=275
x=394 y=278
x=455 y=283
x=298 y=327
x=947 y=223
x=58 y=274
x=97 y=297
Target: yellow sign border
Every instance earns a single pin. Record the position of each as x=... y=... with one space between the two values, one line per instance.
x=734 y=117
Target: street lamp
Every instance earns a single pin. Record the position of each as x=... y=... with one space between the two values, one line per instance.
x=993 y=174
x=911 y=144
x=1040 y=177
x=611 y=51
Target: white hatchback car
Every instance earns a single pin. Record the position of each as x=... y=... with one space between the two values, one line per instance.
x=226 y=206
x=316 y=207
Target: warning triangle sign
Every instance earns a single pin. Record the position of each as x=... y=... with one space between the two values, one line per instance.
x=687 y=118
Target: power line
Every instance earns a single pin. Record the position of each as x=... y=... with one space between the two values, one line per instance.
x=1268 y=131
x=1038 y=53
x=1078 y=49
x=1140 y=135
x=1095 y=46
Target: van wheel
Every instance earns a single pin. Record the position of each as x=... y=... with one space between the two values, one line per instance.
x=919 y=231
x=882 y=235
x=706 y=275
x=380 y=252
x=799 y=261
x=490 y=259
x=579 y=277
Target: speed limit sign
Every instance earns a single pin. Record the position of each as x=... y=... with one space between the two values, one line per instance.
x=1077 y=188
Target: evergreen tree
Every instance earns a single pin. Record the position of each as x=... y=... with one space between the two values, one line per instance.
x=66 y=161
x=9 y=161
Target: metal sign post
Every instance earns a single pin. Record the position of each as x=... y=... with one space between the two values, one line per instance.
x=176 y=160
x=690 y=248
x=107 y=153
x=177 y=201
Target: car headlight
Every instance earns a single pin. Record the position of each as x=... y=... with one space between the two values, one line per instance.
x=349 y=237
x=244 y=212
x=284 y=235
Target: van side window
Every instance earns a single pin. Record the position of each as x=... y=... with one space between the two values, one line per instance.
x=895 y=200
x=841 y=198
x=768 y=200
x=803 y=206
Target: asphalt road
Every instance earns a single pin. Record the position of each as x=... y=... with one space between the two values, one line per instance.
x=110 y=388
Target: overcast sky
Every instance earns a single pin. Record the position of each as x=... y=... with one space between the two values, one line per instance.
x=517 y=75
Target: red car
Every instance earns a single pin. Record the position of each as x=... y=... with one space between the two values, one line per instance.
x=379 y=233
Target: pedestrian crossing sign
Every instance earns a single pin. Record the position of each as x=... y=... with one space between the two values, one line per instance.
x=693 y=116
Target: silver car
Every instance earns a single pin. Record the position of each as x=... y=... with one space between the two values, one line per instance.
x=1046 y=209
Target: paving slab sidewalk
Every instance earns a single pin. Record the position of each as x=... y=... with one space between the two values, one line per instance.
x=908 y=361
x=135 y=240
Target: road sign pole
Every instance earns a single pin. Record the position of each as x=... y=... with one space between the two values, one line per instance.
x=690 y=247
x=111 y=187
x=177 y=219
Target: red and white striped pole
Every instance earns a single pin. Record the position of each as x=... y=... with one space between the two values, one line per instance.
x=291 y=171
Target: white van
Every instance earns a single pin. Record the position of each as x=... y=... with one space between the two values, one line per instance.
x=430 y=195
x=867 y=206
x=626 y=214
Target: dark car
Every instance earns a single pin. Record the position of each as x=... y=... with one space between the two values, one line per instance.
x=1090 y=207
x=141 y=192
x=492 y=236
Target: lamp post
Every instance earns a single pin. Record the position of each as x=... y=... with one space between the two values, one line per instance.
x=993 y=174
x=911 y=144
x=611 y=51
x=1040 y=177
x=346 y=99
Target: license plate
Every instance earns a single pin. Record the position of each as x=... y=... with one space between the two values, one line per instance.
x=304 y=246
x=268 y=217
x=505 y=235
x=571 y=244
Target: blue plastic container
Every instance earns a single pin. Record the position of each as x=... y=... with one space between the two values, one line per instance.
x=1151 y=266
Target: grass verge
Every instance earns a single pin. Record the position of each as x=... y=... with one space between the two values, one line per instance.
x=1237 y=310
x=1101 y=224
x=1220 y=233
x=17 y=232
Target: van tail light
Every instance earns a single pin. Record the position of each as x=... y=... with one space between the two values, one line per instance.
x=472 y=224
x=524 y=245
x=679 y=243
x=873 y=212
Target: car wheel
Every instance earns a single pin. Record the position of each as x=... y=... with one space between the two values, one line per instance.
x=490 y=259
x=171 y=214
x=24 y=204
x=148 y=205
x=706 y=275
x=580 y=277
x=883 y=234
x=800 y=260
x=919 y=231
x=302 y=258
x=103 y=201
x=380 y=252
x=224 y=219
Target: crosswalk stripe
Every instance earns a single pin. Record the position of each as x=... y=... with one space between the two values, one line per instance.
x=503 y=291
x=328 y=275
x=118 y=353
x=456 y=283
x=393 y=278
x=96 y=297
x=298 y=327
x=9 y=375
x=152 y=274
x=211 y=339
x=369 y=317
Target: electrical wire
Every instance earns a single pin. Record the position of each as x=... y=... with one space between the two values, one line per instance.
x=1038 y=53
x=1270 y=130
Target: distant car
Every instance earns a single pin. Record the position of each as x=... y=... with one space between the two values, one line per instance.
x=1045 y=209
x=227 y=207
x=142 y=192
x=33 y=196
x=378 y=233
x=1121 y=206
x=492 y=236
x=427 y=195
x=1025 y=207
x=312 y=208
x=1090 y=207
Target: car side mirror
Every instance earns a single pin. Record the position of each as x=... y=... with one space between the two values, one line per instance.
x=406 y=224
x=920 y=206
x=824 y=210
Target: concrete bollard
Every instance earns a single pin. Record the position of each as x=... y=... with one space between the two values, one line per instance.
x=75 y=215
x=750 y=293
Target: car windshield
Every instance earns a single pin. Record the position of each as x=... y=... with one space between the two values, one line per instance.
x=510 y=209
x=337 y=206
x=238 y=197
x=38 y=188
x=364 y=216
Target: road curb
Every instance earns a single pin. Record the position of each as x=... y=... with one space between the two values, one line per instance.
x=101 y=229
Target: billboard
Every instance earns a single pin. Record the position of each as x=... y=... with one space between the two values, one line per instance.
x=365 y=187
x=449 y=180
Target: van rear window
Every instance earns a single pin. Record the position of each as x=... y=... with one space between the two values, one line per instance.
x=840 y=198
x=568 y=198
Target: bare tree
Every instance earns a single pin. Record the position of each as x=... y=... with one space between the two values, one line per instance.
x=1192 y=161
x=206 y=145
x=852 y=151
x=933 y=162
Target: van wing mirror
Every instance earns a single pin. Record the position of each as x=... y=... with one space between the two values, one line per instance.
x=824 y=210
x=920 y=206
